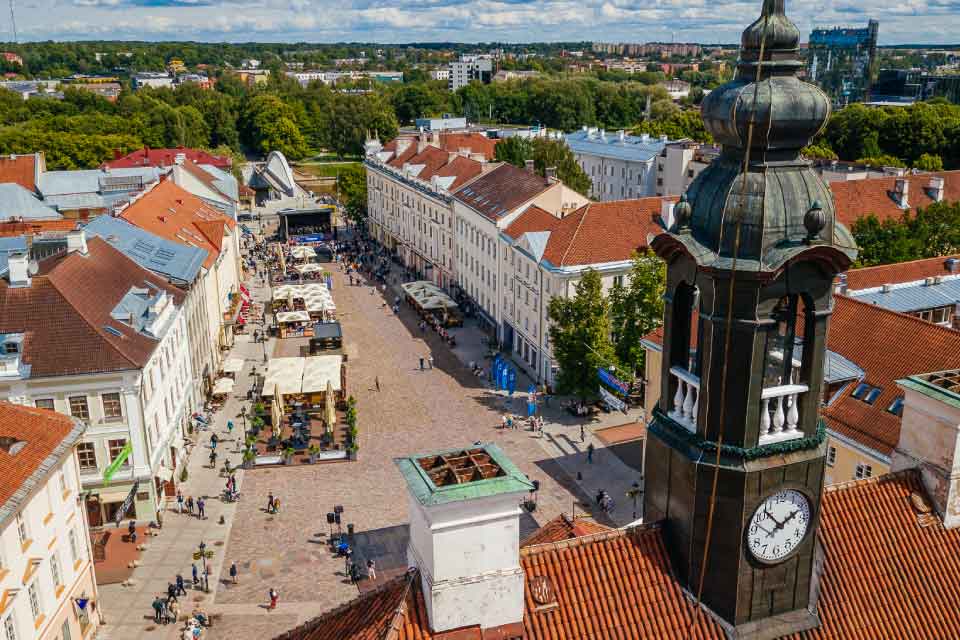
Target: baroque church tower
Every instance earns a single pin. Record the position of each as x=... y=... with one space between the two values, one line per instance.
x=735 y=460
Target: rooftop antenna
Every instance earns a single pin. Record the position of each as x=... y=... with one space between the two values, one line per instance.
x=13 y=22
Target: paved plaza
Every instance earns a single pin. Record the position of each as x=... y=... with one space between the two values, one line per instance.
x=414 y=412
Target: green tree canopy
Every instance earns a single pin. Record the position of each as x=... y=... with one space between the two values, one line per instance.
x=545 y=152
x=636 y=308
x=580 y=334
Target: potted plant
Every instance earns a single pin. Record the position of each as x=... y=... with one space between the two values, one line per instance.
x=259 y=409
x=352 y=450
x=313 y=450
x=288 y=455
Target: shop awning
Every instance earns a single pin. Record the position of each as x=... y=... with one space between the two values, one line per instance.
x=284 y=317
x=222 y=386
x=309 y=268
x=113 y=496
x=233 y=365
x=319 y=371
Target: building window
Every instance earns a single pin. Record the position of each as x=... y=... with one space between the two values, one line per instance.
x=618 y=281
x=87 y=456
x=10 y=348
x=111 y=406
x=863 y=471
x=896 y=407
x=62 y=479
x=831 y=456
x=55 y=570
x=115 y=447
x=34 y=600
x=22 y=534
x=9 y=628
x=79 y=408
x=72 y=539
x=44 y=403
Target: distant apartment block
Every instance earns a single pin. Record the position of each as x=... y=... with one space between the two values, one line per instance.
x=658 y=49
x=155 y=79
x=469 y=69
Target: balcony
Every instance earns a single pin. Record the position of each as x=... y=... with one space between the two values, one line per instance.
x=687 y=398
x=779 y=417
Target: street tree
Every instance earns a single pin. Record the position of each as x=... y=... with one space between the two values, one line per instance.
x=636 y=308
x=580 y=334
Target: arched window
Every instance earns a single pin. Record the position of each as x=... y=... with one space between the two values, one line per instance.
x=784 y=377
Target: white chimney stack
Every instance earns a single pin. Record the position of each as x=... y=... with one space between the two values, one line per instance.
x=666 y=213
x=18 y=265
x=465 y=535
x=77 y=242
x=930 y=438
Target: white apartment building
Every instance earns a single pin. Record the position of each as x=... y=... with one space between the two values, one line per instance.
x=620 y=166
x=486 y=206
x=469 y=69
x=544 y=256
x=440 y=73
x=679 y=163
x=46 y=567
x=409 y=187
x=91 y=334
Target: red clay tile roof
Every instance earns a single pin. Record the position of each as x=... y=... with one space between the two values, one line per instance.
x=895 y=346
x=20 y=169
x=562 y=528
x=176 y=214
x=476 y=142
x=148 y=157
x=500 y=191
x=376 y=615
x=532 y=220
x=66 y=307
x=854 y=199
x=462 y=169
x=869 y=277
x=885 y=575
x=42 y=430
x=603 y=232
x=36 y=226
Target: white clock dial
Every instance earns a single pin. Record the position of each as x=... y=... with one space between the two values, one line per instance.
x=779 y=525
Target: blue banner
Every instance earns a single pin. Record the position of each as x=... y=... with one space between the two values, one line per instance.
x=611 y=381
x=512 y=380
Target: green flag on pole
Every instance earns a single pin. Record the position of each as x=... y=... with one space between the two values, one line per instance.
x=119 y=460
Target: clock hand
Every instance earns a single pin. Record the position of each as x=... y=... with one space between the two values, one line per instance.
x=788 y=519
x=767 y=511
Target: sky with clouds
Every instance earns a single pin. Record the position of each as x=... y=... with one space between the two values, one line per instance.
x=399 y=21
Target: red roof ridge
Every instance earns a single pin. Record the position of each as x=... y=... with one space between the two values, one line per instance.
x=862 y=272
x=632 y=531
x=586 y=210
x=881 y=479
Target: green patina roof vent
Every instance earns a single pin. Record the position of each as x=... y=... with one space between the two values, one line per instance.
x=462 y=474
x=940 y=385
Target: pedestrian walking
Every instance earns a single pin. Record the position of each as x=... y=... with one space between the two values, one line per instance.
x=213 y=459
x=132 y=531
x=179 y=501
x=230 y=427
x=583 y=434
x=371 y=569
x=196 y=579
x=274 y=598
x=174 y=609
x=590 y=453
x=503 y=421
x=270 y=502
x=430 y=361
x=421 y=363
x=158 y=609
x=200 y=505
x=181 y=590
x=171 y=591
x=233 y=572
x=376 y=381
x=213 y=441
x=190 y=504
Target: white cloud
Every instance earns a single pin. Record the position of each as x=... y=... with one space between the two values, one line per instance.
x=395 y=21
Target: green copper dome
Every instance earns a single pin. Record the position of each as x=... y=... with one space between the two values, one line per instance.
x=762 y=119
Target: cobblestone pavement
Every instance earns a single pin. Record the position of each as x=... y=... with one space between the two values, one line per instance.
x=415 y=411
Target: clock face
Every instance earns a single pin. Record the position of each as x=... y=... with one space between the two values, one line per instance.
x=778 y=526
